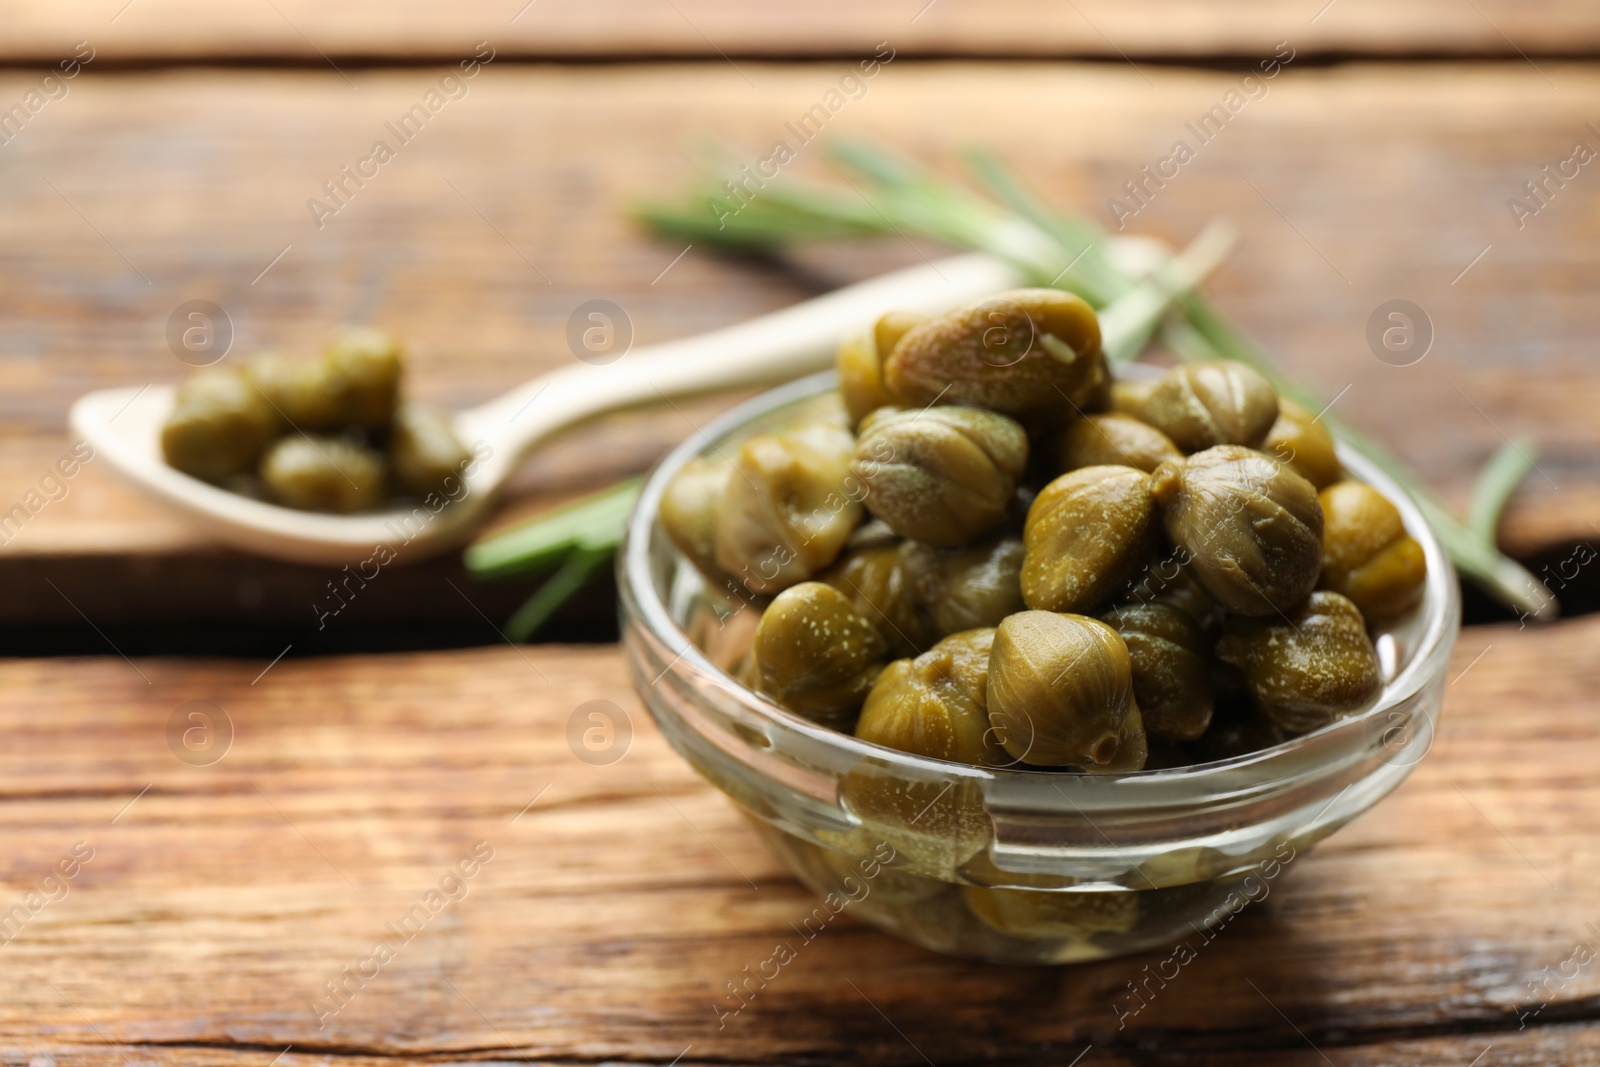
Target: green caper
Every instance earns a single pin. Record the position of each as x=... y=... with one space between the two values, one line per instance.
x=935 y=705
x=1033 y=354
x=219 y=426
x=1098 y=440
x=880 y=579
x=1309 y=668
x=1300 y=440
x=299 y=389
x=1133 y=748
x=815 y=655
x=1166 y=580
x=425 y=455
x=355 y=382
x=1171 y=679
x=363 y=373
x=1237 y=729
x=689 y=508
x=931 y=706
x=941 y=475
x=1061 y=692
x=1367 y=554
x=325 y=474
x=1086 y=534
x=968 y=588
x=892 y=326
x=1221 y=402
x=1127 y=397
x=860 y=363
x=1040 y=916
x=789 y=506
x=1250 y=527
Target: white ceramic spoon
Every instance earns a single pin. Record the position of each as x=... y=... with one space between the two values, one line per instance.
x=124 y=425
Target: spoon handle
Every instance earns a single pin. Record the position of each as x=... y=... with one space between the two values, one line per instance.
x=785 y=344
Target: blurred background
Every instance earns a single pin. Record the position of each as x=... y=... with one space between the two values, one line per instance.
x=184 y=156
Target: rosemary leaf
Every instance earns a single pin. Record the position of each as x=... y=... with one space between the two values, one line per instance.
x=593 y=522
x=1496 y=482
x=579 y=566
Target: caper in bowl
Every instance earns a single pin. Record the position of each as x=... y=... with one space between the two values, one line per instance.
x=1105 y=740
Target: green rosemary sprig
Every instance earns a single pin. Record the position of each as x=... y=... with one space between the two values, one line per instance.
x=575 y=540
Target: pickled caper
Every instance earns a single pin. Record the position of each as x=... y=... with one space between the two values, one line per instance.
x=299 y=389
x=298 y=430
x=1097 y=440
x=425 y=455
x=788 y=508
x=969 y=588
x=1251 y=528
x=1133 y=748
x=219 y=426
x=325 y=474
x=689 y=509
x=363 y=368
x=1041 y=916
x=1300 y=440
x=1061 y=693
x=1171 y=679
x=1202 y=405
x=1366 y=552
x=1308 y=668
x=1126 y=396
x=881 y=581
x=935 y=705
x=355 y=382
x=941 y=475
x=1166 y=580
x=1086 y=534
x=815 y=655
x=1033 y=354
x=860 y=363
x=1237 y=729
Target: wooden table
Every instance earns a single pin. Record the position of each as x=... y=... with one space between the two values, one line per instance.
x=220 y=899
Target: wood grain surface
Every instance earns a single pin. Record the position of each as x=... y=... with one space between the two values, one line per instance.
x=1352 y=186
x=618 y=899
x=413 y=30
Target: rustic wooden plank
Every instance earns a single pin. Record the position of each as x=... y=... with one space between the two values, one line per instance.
x=1352 y=186
x=1572 y=1045
x=619 y=898
x=165 y=30
x=1548 y=1047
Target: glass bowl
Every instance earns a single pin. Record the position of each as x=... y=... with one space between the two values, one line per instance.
x=1007 y=865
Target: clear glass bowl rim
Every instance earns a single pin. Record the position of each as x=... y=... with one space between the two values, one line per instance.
x=1439 y=620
